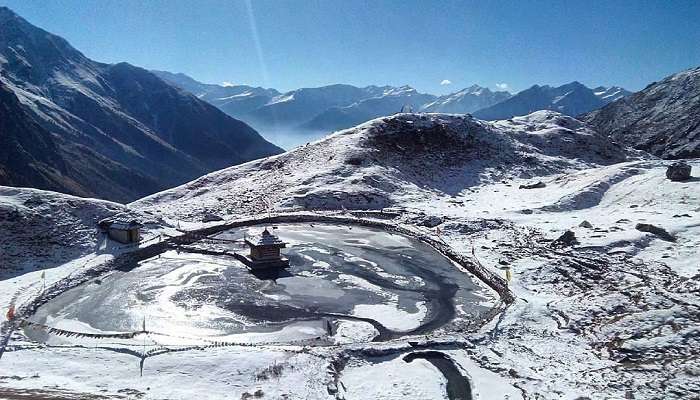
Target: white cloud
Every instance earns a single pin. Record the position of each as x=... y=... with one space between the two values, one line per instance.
x=446 y=82
x=227 y=84
x=502 y=86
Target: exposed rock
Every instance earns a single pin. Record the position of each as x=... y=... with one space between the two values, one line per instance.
x=661 y=119
x=537 y=185
x=585 y=224
x=656 y=230
x=354 y=161
x=430 y=221
x=568 y=238
x=211 y=218
x=678 y=171
x=681 y=215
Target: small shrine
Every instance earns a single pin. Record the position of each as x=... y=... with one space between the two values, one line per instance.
x=265 y=252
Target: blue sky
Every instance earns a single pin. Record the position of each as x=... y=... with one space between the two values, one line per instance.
x=291 y=44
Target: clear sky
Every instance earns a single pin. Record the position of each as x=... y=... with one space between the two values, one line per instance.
x=290 y=44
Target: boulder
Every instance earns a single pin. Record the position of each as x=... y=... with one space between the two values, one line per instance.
x=537 y=185
x=585 y=224
x=678 y=171
x=568 y=238
x=656 y=230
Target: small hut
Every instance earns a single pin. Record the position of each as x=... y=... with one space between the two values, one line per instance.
x=265 y=252
x=122 y=230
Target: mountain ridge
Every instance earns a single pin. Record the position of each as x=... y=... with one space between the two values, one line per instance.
x=115 y=123
x=663 y=118
x=572 y=99
x=318 y=109
x=371 y=165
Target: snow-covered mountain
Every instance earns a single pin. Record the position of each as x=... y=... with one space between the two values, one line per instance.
x=322 y=108
x=306 y=113
x=571 y=99
x=663 y=119
x=331 y=107
x=466 y=100
x=610 y=94
x=235 y=100
x=313 y=112
x=390 y=101
x=297 y=107
x=327 y=108
x=383 y=162
x=118 y=131
x=393 y=100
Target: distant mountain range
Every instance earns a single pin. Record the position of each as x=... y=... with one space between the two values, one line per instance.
x=334 y=107
x=113 y=131
x=663 y=119
x=467 y=100
x=571 y=99
x=319 y=109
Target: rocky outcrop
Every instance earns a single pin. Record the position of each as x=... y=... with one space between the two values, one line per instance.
x=660 y=232
x=536 y=185
x=566 y=239
x=663 y=119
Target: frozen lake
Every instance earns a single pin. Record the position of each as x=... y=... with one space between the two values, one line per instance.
x=344 y=284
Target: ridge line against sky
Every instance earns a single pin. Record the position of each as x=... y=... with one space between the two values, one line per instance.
x=434 y=47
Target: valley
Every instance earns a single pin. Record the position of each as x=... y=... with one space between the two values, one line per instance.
x=301 y=232
x=543 y=320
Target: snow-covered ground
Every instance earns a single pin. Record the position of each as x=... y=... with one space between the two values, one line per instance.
x=614 y=315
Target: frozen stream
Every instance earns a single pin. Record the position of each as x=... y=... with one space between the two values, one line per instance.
x=345 y=284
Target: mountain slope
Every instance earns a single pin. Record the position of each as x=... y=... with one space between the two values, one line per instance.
x=663 y=119
x=570 y=99
x=31 y=156
x=116 y=124
x=27 y=152
x=394 y=161
x=466 y=100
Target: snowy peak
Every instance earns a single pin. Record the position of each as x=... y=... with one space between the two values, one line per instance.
x=466 y=100
x=571 y=99
x=404 y=90
x=663 y=119
x=31 y=54
x=610 y=94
